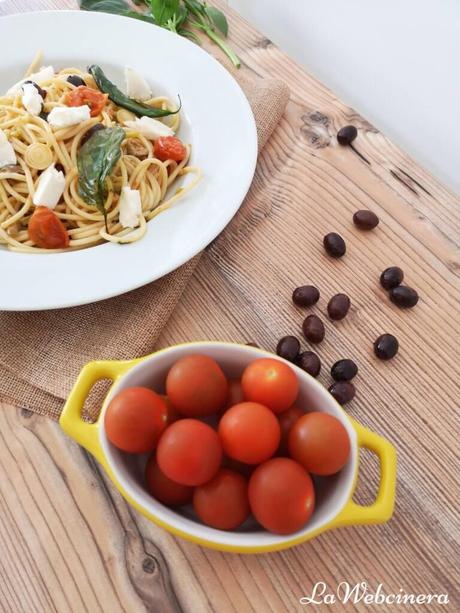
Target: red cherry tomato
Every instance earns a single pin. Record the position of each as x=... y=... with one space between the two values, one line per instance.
x=287 y=419
x=197 y=386
x=249 y=432
x=135 y=419
x=169 y=148
x=320 y=443
x=222 y=502
x=189 y=452
x=235 y=393
x=167 y=492
x=82 y=95
x=270 y=382
x=46 y=230
x=281 y=495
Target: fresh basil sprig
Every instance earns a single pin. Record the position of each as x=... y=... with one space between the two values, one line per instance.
x=95 y=160
x=178 y=16
x=121 y=99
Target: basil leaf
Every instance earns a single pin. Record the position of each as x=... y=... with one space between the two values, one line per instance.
x=107 y=87
x=196 y=8
x=95 y=160
x=105 y=6
x=218 y=19
x=181 y=16
x=189 y=34
x=163 y=10
x=141 y=16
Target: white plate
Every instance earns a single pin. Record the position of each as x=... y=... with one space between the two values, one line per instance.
x=216 y=119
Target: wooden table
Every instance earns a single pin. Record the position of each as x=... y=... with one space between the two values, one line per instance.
x=68 y=542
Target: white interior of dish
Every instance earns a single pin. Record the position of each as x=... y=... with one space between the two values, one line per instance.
x=331 y=493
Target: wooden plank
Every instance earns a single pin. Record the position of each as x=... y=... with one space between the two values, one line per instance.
x=68 y=541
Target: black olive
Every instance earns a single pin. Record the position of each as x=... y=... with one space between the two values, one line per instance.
x=288 y=348
x=334 y=245
x=347 y=135
x=391 y=277
x=305 y=296
x=90 y=132
x=386 y=346
x=338 y=306
x=365 y=220
x=75 y=80
x=309 y=362
x=344 y=370
x=404 y=296
x=313 y=329
x=41 y=91
x=343 y=391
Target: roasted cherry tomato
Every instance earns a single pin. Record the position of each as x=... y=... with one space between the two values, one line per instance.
x=235 y=392
x=82 y=95
x=169 y=148
x=167 y=492
x=135 y=419
x=189 y=452
x=270 y=382
x=222 y=502
x=320 y=443
x=287 y=419
x=281 y=495
x=197 y=386
x=249 y=432
x=46 y=230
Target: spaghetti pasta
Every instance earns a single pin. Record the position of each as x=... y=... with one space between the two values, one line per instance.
x=39 y=146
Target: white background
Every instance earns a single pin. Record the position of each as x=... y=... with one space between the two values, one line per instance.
x=394 y=61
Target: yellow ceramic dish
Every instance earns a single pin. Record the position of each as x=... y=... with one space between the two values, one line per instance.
x=334 y=506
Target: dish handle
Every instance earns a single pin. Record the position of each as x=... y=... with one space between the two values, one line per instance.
x=382 y=508
x=71 y=421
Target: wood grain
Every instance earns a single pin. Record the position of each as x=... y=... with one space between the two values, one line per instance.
x=68 y=542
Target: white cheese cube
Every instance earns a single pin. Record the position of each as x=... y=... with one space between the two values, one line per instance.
x=130 y=207
x=31 y=99
x=136 y=86
x=44 y=74
x=65 y=116
x=50 y=188
x=7 y=153
x=149 y=127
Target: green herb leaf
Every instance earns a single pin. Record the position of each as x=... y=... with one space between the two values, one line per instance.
x=96 y=160
x=189 y=34
x=181 y=16
x=117 y=96
x=218 y=19
x=196 y=8
x=163 y=10
x=105 y=6
x=140 y=16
